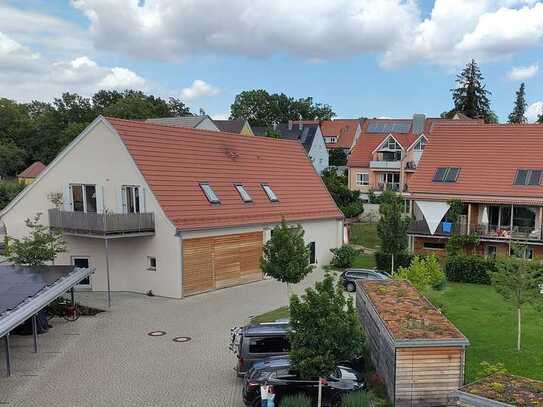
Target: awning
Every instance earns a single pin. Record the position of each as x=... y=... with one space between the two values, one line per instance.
x=433 y=212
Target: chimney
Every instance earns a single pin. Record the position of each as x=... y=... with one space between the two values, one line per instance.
x=418 y=123
x=290 y=124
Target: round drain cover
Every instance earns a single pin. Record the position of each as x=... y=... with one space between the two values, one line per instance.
x=157 y=333
x=181 y=339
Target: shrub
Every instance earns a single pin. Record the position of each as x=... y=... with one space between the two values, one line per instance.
x=8 y=191
x=383 y=261
x=423 y=272
x=343 y=256
x=355 y=399
x=469 y=269
x=297 y=400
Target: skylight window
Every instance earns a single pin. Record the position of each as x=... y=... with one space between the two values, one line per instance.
x=245 y=196
x=271 y=195
x=528 y=177
x=209 y=193
x=446 y=174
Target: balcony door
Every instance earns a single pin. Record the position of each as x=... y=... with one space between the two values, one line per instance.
x=85 y=198
x=132 y=199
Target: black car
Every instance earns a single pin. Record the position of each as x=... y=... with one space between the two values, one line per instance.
x=277 y=373
x=350 y=276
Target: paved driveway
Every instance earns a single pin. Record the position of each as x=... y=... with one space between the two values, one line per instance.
x=109 y=360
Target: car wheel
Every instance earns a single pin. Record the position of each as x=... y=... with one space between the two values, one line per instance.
x=350 y=287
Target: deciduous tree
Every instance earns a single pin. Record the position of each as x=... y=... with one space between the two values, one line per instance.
x=348 y=201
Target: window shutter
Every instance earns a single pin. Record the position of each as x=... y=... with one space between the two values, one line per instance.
x=141 y=194
x=67 y=198
x=121 y=200
x=99 y=199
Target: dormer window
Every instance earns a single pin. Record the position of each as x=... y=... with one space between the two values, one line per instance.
x=209 y=193
x=446 y=174
x=245 y=196
x=421 y=145
x=392 y=144
x=269 y=192
x=528 y=177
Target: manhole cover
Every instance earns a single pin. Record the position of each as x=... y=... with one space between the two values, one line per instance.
x=181 y=339
x=157 y=333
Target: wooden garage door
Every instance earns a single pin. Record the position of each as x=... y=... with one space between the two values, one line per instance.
x=221 y=261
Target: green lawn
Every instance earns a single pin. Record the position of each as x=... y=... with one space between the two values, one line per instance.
x=490 y=325
x=364 y=261
x=271 y=316
x=364 y=234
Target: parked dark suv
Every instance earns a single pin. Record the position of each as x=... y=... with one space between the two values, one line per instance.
x=253 y=343
x=350 y=276
x=277 y=372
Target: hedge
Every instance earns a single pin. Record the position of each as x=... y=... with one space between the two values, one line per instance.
x=383 y=261
x=469 y=269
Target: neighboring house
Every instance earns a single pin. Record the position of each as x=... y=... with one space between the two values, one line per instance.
x=496 y=172
x=31 y=173
x=174 y=210
x=341 y=133
x=388 y=151
x=308 y=134
x=238 y=126
x=203 y=122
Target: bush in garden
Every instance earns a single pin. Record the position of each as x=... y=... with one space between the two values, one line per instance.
x=343 y=256
x=423 y=272
x=355 y=399
x=383 y=261
x=469 y=269
x=297 y=400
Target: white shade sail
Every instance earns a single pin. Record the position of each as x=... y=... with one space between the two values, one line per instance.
x=433 y=212
x=484 y=216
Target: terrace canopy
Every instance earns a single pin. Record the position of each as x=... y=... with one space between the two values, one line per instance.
x=433 y=212
x=25 y=290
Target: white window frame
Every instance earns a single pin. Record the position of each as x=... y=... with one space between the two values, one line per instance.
x=243 y=193
x=84 y=196
x=420 y=143
x=360 y=179
x=135 y=192
x=80 y=286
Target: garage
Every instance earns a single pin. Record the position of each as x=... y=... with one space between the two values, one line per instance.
x=221 y=261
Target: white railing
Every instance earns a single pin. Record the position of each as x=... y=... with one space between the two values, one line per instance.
x=385 y=165
x=101 y=223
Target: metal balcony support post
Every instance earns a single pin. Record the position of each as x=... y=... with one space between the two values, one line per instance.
x=8 y=355
x=469 y=218
x=106 y=240
x=35 y=333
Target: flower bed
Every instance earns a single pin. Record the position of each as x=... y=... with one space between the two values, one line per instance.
x=502 y=390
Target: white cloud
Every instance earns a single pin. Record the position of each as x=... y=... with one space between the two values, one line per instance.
x=534 y=110
x=521 y=73
x=198 y=89
x=27 y=75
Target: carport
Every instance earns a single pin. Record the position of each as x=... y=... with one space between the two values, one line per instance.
x=25 y=290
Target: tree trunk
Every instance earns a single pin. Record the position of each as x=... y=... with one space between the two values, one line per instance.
x=518 y=328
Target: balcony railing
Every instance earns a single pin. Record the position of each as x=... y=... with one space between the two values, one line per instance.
x=385 y=165
x=483 y=230
x=388 y=187
x=102 y=224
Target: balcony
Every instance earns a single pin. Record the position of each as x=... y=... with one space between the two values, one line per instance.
x=485 y=231
x=388 y=187
x=103 y=225
x=385 y=165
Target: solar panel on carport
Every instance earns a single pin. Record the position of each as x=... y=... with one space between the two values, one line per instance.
x=19 y=283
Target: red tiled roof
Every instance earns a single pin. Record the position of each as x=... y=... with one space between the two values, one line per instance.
x=175 y=160
x=488 y=157
x=343 y=129
x=33 y=171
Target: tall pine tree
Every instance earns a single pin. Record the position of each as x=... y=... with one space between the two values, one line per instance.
x=470 y=96
x=518 y=115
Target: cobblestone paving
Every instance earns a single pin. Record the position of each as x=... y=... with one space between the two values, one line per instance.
x=109 y=360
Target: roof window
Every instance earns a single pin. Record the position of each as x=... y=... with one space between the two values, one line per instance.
x=446 y=174
x=245 y=196
x=269 y=192
x=209 y=193
x=528 y=177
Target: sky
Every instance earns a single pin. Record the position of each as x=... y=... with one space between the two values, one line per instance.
x=365 y=58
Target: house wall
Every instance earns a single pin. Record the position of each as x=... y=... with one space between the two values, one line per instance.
x=419 y=248
x=207 y=124
x=247 y=130
x=101 y=158
x=318 y=153
x=327 y=234
x=25 y=181
x=353 y=171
